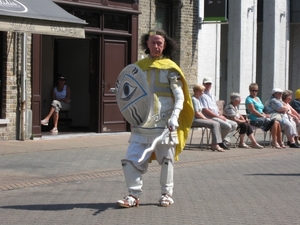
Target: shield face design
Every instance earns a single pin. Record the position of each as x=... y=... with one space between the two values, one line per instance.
x=132 y=94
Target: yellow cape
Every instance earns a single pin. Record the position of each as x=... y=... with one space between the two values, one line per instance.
x=187 y=113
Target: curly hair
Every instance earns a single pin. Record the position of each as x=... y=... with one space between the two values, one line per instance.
x=171 y=45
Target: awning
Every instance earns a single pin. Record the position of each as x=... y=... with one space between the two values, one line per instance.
x=39 y=17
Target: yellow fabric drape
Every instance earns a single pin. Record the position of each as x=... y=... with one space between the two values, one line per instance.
x=187 y=113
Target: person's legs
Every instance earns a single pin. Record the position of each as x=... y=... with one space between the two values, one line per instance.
x=298 y=129
x=252 y=139
x=242 y=133
x=242 y=136
x=47 y=118
x=215 y=130
x=165 y=157
x=233 y=128
x=276 y=134
x=249 y=132
x=133 y=174
x=134 y=183
x=56 y=105
x=166 y=183
x=225 y=127
x=290 y=131
x=55 y=122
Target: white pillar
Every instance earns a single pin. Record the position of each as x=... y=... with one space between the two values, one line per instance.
x=209 y=42
x=275 y=52
x=242 y=35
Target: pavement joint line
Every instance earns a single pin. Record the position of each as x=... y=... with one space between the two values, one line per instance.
x=119 y=172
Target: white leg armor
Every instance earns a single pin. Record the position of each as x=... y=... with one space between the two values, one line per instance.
x=133 y=178
x=166 y=177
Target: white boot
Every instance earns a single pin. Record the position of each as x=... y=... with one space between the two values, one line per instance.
x=165 y=200
x=166 y=177
x=134 y=183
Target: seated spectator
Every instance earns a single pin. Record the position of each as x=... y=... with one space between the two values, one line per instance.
x=60 y=101
x=278 y=110
x=258 y=118
x=296 y=102
x=232 y=112
x=201 y=121
x=287 y=96
x=211 y=111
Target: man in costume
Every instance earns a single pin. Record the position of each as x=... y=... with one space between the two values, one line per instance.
x=170 y=109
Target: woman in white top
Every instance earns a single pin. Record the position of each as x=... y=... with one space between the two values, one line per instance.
x=60 y=101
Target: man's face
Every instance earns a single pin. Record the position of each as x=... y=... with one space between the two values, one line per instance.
x=156 y=45
x=207 y=86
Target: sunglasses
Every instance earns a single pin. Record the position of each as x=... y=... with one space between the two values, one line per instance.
x=254 y=90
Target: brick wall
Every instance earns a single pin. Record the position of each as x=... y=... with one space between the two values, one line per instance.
x=12 y=85
x=185 y=33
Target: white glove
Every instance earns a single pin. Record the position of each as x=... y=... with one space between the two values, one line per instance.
x=173 y=123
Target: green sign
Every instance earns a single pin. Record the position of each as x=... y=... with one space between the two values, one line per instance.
x=215 y=11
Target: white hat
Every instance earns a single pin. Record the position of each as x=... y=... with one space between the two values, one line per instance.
x=207 y=80
x=277 y=90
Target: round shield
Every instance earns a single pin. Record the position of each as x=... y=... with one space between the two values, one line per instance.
x=132 y=93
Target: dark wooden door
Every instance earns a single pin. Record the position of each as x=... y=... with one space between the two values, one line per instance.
x=36 y=85
x=115 y=58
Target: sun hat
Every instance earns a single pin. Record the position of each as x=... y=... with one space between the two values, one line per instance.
x=277 y=90
x=207 y=80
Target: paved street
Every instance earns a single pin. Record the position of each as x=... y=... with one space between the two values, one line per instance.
x=69 y=179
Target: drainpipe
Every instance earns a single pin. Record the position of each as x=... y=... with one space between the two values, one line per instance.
x=23 y=88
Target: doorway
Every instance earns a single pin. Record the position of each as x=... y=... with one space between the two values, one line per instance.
x=70 y=57
x=91 y=67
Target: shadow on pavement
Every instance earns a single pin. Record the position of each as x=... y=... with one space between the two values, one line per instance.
x=100 y=207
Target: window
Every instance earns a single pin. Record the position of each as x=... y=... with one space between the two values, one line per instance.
x=163 y=16
x=116 y=22
x=91 y=17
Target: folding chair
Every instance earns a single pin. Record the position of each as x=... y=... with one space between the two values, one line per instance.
x=237 y=135
x=204 y=130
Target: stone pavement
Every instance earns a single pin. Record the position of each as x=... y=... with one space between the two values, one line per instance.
x=67 y=179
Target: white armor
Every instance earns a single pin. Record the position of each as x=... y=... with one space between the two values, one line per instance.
x=166 y=102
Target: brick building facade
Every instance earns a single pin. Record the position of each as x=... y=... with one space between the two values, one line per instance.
x=11 y=88
x=181 y=24
x=178 y=18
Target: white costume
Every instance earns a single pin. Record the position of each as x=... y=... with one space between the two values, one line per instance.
x=154 y=98
x=166 y=102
